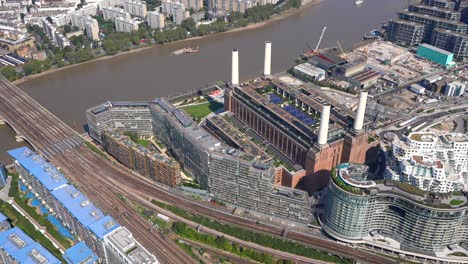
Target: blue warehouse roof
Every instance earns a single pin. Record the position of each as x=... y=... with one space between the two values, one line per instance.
x=35 y=253
x=80 y=253
x=2 y=217
x=78 y=205
x=104 y=226
x=35 y=164
x=24 y=249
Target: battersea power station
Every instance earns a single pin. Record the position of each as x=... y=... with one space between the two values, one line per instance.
x=299 y=124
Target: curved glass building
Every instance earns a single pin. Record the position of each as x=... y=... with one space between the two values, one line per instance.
x=357 y=210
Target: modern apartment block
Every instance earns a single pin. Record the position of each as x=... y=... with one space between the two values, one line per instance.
x=74 y=209
x=434 y=22
x=110 y=13
x=431 y=163
x=233 y=6
x=135 y=8
x=109 y=3
x=17 y=247
x=390 y=214
x=51 y=31
x=4 y=224
x=230 y=175
x=86 y=23
x=138 y=158
x=125 y=25
x=195 y=4
x=134 y=117
x=454 y=89
x=405 y=33
x=3 y=176
x=176 y=10
x=156 y=19
x=80 y=253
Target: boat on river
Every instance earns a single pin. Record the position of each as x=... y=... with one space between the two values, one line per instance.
x=185 y=50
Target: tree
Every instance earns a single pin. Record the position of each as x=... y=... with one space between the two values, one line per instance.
x=9 y=72
x=191 y=11
x=190 y=25
x=49 y=19
x=67 y=29
x=22 y=15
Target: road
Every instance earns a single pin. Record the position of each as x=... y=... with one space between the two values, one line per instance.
x=99 y=179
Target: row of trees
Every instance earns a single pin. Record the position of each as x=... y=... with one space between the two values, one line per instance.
x=255 y=237
x=85 y=49
x=223 y=244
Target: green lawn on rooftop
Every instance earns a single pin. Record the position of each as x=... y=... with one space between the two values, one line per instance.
x=200 y=111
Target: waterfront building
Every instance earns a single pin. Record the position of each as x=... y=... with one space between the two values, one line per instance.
x=123 y=117
x=454 y=42
x=391 y=214
x=435 y=54
x=434 y=22
x=176 y=10
x=125 y=25
x=80 y=253
x=230 y=175
x=72 y=207
x=140 y=159
x=57 y=38
x=156 y=19
x=233 y=6
x=17 y=247
x=292 y=128
x=308 y=72
x=110 y=13
x=86 y=23
x=405 y=33
x=109 y=3
x=135 y=8
x=454 y=89
x=429 y=162
x=195 y=4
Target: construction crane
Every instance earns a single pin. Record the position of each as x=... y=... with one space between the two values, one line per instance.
x=321 y=37
x=312 y=52
x=342 y=52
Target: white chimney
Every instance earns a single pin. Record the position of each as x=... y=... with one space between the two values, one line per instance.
x=361 y=110
x=267 y=63
x=323 y=132
x=235 y=67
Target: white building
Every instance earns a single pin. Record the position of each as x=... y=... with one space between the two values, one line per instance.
x=86 y=23
x=57 y=38
x=109 y=3
x=454 y=89
x=125 y=25
x=156 y=19
x=110 y=13
x=121 y=247
x=195 y=4
x=417 y=89
x=174 y=9
x=233 y=5
x=309 y=71
x=135 y=8
x=430 y=162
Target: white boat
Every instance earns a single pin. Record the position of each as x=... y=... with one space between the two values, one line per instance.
x=358 y=2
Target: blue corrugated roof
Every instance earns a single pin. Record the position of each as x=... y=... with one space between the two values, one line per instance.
x=35 y=164
x=35 y=253
x=78 y=205
x=14 y=239
x=2 y=217
x=80 y=253
x=104 y=226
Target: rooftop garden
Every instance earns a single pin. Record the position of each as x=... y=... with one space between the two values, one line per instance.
x=456 y=202
x=200 y=111
x=343 y=185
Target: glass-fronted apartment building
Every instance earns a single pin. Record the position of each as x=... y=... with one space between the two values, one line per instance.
x=358 y=210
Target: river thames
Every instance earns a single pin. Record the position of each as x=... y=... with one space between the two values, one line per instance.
x=153 y=72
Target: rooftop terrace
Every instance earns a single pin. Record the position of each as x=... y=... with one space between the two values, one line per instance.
x=80 y=253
